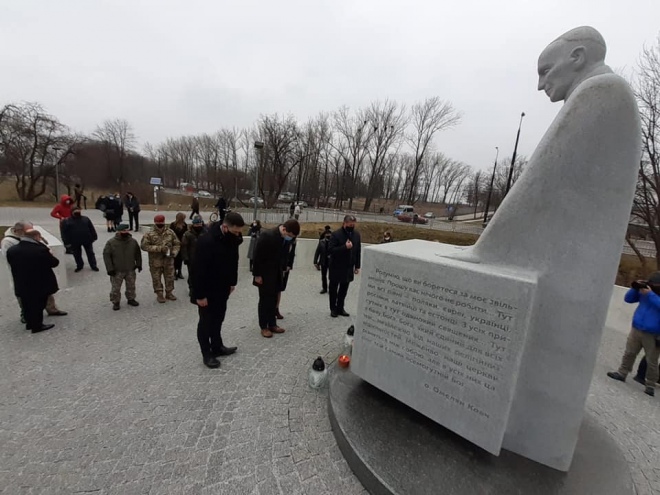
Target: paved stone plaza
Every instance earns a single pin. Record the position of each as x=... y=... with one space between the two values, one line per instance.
x=120 y=402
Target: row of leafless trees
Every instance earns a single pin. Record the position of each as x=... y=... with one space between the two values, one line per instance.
x=646 y=207
x=381 y=152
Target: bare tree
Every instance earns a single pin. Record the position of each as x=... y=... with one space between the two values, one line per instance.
x=646 y=207
x=119 y=139
x=428 y=118
x=353 y=133
x=280 y=157
x=389 y=121
x=27 y=138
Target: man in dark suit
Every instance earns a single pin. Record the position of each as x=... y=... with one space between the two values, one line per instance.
x=32 y=266
x=345 y=252
x=270 y=263
x=215 y=274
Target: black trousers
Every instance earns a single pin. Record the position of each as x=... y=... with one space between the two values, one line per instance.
x=178 y=262
x=77 y=255
x=133 y=217
x=337 y=293
x=33 y=311
x=210 y=323
x=193 y=213
x=324 y=277
x=267 y=308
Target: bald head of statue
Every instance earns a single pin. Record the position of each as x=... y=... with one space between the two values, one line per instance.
x=569 y=60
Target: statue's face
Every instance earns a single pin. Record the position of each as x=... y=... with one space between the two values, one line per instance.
x=557 y=71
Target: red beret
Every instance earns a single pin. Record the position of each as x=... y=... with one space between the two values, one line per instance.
x=159 y=219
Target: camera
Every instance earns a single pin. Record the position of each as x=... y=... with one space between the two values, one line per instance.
x=640 y=284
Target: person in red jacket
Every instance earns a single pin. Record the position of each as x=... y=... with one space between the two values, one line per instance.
x=62 y=211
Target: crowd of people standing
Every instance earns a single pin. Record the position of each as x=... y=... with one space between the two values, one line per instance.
x=209 y=252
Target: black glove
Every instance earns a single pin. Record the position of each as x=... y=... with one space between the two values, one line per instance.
x=112 y=273
x=185 y=262
x=139 y=268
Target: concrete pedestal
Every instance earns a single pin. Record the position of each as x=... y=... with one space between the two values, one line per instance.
x=393 y=449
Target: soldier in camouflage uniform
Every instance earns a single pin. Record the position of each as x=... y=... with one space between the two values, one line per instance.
x=122 y=256
x=162 y=245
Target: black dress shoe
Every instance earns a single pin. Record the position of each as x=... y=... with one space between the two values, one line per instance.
x=95 y=268
x=343 y=313
x=79 y=269
x=278 y=315
x=43 y=328
x=58 y=313
x=639 y=379
x=226 y=351
x=211 y=362
x=323 y=292
x=615 y=375
x=333 y=314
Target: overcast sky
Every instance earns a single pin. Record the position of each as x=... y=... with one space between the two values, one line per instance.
x=175 y=67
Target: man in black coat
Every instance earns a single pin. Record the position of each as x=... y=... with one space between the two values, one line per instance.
x=78 y=232
x=32 y=266
x=215 y=275
x=133 y=206
x=221 y=205
x=322 y=259
x=270 y=262
x=345 y=251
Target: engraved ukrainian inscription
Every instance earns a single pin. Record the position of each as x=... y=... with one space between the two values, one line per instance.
x=459 y=337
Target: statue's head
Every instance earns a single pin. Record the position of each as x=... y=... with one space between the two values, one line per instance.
x=568 y=60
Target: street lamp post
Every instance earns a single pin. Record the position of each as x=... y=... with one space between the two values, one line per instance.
x=57 y=172
x=258 y=145
x=490 y=189
x=513 y=158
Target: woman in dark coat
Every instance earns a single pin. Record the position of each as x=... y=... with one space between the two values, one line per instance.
x=119 y=210
x=180 y=227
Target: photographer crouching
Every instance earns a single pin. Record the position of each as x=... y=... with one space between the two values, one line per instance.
x=644 y=333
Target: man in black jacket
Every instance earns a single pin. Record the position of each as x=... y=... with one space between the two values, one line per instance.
x=32 y=266
x=322 y=259
x=78 y=232
x=215 y=274
x=221 y=205
x=133 y=206
x=271 y=259
x=345 y=251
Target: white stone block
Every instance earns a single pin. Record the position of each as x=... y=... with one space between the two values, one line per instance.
x=443 y=336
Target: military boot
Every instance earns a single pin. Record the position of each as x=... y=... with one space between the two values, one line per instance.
x=170 y=297
x=159 y=297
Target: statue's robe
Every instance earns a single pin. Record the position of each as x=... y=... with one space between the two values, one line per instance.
x=565 y=219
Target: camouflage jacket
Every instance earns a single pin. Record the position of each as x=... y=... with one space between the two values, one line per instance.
x=153 y=243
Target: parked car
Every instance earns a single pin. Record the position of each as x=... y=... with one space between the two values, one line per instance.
x=414 y=218
x=303 y=204
x=403 y=209
x=205 y=194
x=260 y=201
x=429 y=214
